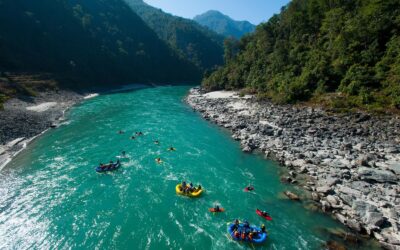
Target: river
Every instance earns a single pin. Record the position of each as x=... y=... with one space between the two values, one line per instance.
x=51 y=197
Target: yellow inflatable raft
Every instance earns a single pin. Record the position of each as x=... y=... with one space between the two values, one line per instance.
x=196 y=193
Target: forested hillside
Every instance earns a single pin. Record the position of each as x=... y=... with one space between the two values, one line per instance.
x=343 y=53
x=201 y=46
x=223 y=24
x=86 y=43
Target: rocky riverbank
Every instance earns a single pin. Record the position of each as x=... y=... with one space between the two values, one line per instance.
x=24 y=119
x=352 y=160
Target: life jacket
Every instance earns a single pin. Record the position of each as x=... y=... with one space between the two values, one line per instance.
x=243 y=236
x=250 y=236
x=237 y=234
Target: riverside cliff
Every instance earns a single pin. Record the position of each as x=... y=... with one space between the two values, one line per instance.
x=352 y=160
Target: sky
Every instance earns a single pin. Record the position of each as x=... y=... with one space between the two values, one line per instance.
x=254 y=11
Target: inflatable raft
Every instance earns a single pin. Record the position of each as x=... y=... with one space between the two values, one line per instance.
x=196 y=193
x=109 y=167
x=258 y=236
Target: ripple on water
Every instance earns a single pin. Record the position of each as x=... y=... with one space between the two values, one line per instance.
x=51 y=197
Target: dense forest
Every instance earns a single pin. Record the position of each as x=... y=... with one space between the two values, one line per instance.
x=224 y=25
x=199 y=45
x=342 y=53
x=83 y=44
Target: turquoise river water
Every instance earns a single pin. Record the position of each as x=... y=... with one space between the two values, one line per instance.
x=51 y=197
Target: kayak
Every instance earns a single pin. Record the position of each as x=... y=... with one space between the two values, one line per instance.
x=109 y=167
x=259 y=212
x=213 y=210
x=258 y=238
x=195 y=193
x=248 y=189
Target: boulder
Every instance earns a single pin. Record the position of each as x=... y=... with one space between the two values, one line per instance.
x=349 y=191
x=325 y=205
x=353 y=224
x=374 y=219
x=333 y=200
x=292 y=196
x=341 y=218
x=391 y=150
x=333 y=245
x=315 y=196
x=376 y=175
x=324 y=189
x=395 y=167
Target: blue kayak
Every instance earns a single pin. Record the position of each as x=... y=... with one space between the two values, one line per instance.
x=109 y=167
x=258 y=236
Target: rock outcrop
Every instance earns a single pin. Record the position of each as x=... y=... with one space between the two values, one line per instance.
x=352 y=160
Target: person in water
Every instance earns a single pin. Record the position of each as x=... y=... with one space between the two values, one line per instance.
x=250 y=188
x=262 y=228
x=123 y=153
x=246 y=225
x=244 y=236
x=120 y=132
x=236 y=234
x=251 y=236
x=264 y=213
x=158 y=160
x=171 y=149
x=156 y=142
x=139 y=133
x=235 y=224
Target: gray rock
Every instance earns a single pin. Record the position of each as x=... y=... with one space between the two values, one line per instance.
x=360 y=185
x=374 y=218
x=347 y=199
x=324 y=189
x=377 y=175
x=333 y=200
x=353 y=224
x=341 y=218
x=349 y=191
x=292 y=196
x=331 y=181
x=391 y=150
x=325 y=205
x=315 y=196
x=395 y=167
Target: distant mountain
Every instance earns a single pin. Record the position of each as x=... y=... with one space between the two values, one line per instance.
x=94 y=42
x=223 y=24
x=199 y=45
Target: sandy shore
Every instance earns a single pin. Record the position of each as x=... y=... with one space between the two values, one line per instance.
x=23 y=120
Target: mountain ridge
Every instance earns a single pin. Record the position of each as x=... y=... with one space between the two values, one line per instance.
x=199 y=45
x=223 y=24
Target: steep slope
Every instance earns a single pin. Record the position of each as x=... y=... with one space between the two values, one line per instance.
x=202 y=47
x=223 y=24
x=340 y=53
x=92 y=42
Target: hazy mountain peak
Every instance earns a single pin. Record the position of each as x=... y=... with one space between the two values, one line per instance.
x=224 y=24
